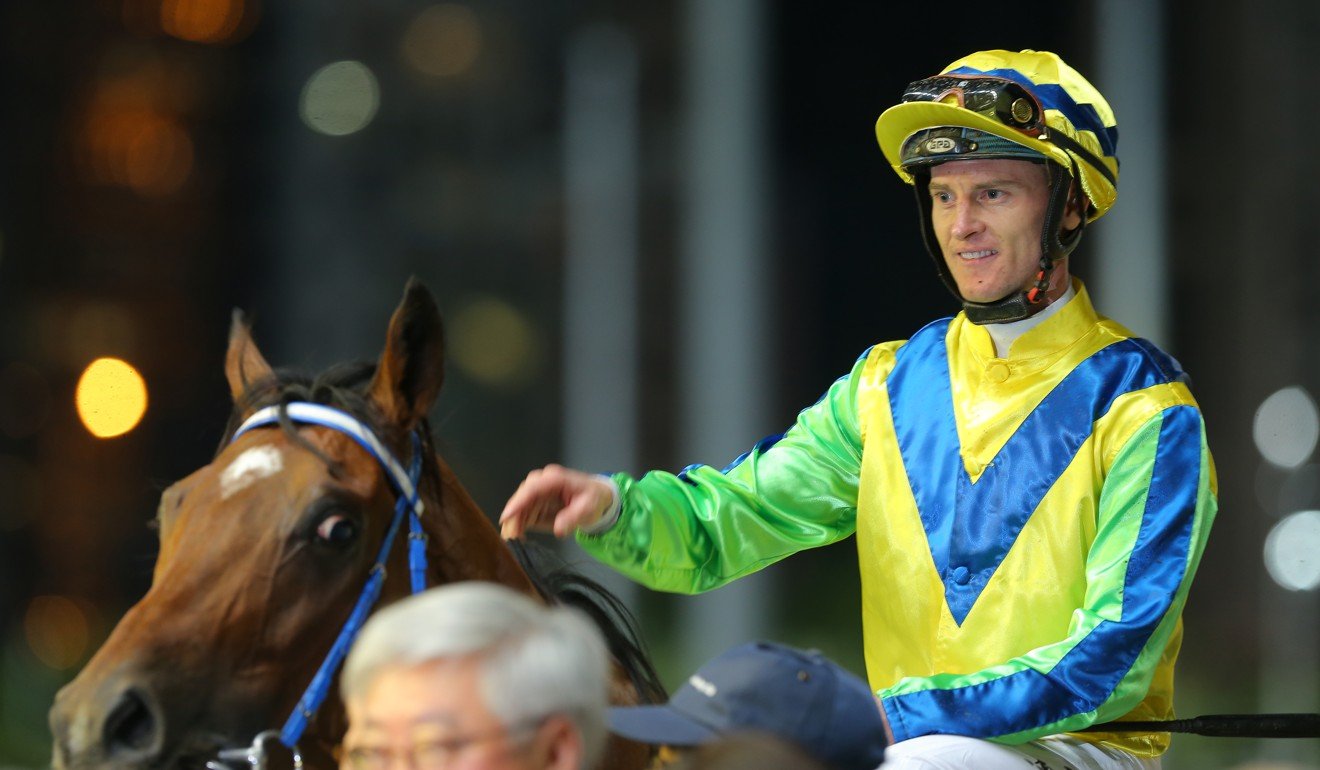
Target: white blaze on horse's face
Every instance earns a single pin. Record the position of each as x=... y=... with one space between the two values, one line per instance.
x=248 y=468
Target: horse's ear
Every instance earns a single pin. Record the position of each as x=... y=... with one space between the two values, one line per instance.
x=411 y=369
x=244 y=364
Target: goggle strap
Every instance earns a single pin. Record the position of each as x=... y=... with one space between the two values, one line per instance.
x=1067 y=143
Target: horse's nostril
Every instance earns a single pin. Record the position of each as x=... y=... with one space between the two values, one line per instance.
x=131 y=727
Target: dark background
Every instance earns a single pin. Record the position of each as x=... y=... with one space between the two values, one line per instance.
x=152 y=183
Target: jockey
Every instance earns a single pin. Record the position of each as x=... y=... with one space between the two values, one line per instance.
x=1028 y=482
x=1026 y=106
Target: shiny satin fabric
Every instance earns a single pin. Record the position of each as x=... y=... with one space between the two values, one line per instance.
x=971 y=523
x=1027 y=527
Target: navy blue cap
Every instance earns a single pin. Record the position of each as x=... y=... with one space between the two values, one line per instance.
x=800 y=696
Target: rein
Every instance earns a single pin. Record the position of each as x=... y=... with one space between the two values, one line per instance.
x=408 y=504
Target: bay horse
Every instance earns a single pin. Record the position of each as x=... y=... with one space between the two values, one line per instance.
x=263 y=551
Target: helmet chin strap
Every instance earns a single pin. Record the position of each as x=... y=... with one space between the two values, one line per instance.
x=1054 y=246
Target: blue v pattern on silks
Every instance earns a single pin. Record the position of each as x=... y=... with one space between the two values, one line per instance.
x=970 y=527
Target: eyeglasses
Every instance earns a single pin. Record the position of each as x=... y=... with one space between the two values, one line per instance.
x=425 y=755
x=1008 y=102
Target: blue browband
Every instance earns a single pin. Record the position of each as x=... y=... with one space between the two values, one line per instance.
x=405 y=485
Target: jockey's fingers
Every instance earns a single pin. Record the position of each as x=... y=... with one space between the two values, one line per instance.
x=554 y=499
x=525 y=496
x=520 y=516
x=543 y=513
x=583 y=509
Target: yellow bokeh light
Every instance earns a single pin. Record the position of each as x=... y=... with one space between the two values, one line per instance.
x=111 y=397
x=57 y=630
x=493 y=342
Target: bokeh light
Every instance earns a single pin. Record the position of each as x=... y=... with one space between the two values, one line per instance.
x=1292 y=551
x=57 y=630
x=340 y=98
x=126 y=141
x=203 y=21
x=158 y=157
x=492 y=342
x=111 y=397
x=1300 y=488
x=443 y=40
x=1286 y=427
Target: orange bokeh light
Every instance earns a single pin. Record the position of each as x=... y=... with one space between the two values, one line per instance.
x=204 y=21
x=128 y=140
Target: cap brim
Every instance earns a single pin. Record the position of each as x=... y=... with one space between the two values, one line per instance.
x=901 y=121
x=658 y=725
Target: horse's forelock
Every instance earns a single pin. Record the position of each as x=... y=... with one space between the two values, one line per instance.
x=342 y=386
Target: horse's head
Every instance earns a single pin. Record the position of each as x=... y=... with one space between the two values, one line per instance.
x=262 y=555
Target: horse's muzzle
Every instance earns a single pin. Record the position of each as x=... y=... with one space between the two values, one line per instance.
x=127 y=733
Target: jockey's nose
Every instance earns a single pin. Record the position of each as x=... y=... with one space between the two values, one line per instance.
x=965 y=221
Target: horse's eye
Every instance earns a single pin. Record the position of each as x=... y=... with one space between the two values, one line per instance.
x=337 y=530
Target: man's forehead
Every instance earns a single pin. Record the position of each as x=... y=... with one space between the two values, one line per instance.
x=430 y=720
x=436 y=691
x=981 y=169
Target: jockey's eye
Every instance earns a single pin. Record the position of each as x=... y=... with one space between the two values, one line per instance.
x=337 y=530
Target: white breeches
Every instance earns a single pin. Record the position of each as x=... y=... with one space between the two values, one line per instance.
x=956 y=752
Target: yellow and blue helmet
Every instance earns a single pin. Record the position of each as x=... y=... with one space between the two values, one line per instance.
x=1027 y=105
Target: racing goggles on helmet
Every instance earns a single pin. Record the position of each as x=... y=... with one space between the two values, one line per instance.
x=1003 y=100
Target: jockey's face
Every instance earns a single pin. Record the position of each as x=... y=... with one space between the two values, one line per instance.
x=987 y=216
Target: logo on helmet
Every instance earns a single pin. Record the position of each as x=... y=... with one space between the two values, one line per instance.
x=940 y=144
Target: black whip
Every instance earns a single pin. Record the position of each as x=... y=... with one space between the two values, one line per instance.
x=1224 y=726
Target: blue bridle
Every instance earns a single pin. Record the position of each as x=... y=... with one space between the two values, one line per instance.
x=405 y=485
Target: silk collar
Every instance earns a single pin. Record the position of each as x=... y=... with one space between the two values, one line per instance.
x=1043 y=341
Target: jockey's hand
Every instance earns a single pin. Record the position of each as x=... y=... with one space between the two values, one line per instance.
x=555 y=499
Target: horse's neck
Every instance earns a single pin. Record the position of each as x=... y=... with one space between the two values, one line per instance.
x=463 y=544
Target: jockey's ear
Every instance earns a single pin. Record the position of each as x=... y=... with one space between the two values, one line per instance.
x=244 y=364
x=411 y=369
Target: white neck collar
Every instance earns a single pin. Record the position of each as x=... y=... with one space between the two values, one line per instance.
x=1005 y=334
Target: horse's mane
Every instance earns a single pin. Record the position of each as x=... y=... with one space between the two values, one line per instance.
x=343 y=386
x=560 y=583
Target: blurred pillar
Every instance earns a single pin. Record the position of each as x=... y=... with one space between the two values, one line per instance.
x=725 y=323
x=1248 y=305
x=600 y=334
x=1128 y=262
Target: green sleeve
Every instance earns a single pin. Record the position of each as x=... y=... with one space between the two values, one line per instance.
x=701 y=528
